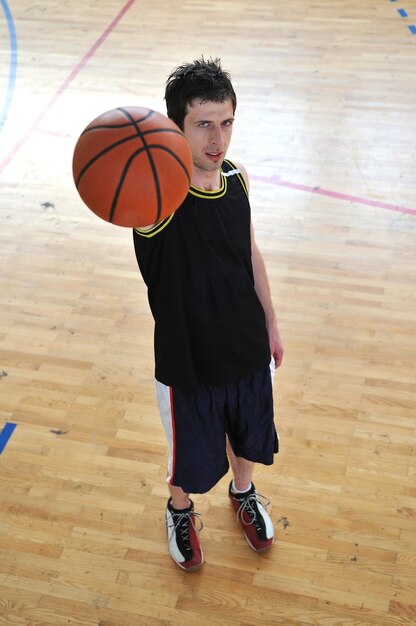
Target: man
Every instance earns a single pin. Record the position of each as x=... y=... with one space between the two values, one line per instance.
x=215 y=327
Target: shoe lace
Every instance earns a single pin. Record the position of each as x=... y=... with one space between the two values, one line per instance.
x=249 y=505
x=181 y=524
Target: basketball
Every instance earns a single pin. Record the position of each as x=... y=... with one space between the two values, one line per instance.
x=132 y=166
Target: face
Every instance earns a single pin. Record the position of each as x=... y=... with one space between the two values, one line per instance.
x=208 y=128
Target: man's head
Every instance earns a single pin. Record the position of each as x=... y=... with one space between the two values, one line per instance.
x=204 y=81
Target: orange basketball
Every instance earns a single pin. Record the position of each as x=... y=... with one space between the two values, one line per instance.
x=132 y=166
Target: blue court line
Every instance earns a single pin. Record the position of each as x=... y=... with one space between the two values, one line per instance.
x=5 y=435
x=13 y=63
x=405 y=14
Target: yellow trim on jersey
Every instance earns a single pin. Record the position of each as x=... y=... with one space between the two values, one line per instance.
x=154 y=230
x=199 y=193
x=210 y=195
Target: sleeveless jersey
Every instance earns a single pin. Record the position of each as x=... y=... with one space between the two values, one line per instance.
x=209 y=323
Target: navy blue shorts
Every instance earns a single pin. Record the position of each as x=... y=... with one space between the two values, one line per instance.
x=196 y=428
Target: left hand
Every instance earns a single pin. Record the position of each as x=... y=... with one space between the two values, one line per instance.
x=276 y=345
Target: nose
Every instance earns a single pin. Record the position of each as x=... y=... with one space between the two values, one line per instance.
x=216 y=136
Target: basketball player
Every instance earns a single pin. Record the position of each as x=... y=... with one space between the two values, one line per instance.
x=216 y=334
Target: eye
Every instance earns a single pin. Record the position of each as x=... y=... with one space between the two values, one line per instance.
x=228 y=122
x=204 y=124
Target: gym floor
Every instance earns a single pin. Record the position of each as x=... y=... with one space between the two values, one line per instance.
x=326 y=128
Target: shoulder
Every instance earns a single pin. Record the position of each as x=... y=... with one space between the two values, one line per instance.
x=243 y=173
x=150 y=231
x=232 y=167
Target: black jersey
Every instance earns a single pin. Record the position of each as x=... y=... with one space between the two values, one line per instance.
x=209 y=323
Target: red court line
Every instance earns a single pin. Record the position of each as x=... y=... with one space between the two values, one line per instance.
x=273 y=180
x=65 y=84
x=276 y=180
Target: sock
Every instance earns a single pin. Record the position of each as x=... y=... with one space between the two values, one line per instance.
x=235 y=490
x=188 y=508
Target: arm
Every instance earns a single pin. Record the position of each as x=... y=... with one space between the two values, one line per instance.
x=261 y=285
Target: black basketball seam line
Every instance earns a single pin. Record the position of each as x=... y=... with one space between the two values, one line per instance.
x=100 y=154
x=143 y=119
x=150 y=159
x=127 y=166
x=149 y=114
x=118 y=126
x=118 y=143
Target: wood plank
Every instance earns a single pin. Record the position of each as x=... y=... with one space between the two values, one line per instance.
x=325 y=126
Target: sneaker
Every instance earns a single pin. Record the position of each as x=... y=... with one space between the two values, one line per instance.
x=251 y=513
x=184 y=547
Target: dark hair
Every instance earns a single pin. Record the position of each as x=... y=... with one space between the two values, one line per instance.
x=204 y=80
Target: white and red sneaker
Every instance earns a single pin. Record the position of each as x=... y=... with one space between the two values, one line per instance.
x=183 y=527
x=251 y=513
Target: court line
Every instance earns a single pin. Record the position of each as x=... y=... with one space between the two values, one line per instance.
x=403 y=13
x=66 y=83
x=13 y=62
x=5 y=435
x=276 y=180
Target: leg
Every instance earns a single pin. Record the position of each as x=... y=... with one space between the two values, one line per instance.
x=252 y=431
x=180 y=499
x=242 y=469
x=256 y=523
x=183 y=525
x=181 y=520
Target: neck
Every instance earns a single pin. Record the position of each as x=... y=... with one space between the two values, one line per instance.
x=208 y=181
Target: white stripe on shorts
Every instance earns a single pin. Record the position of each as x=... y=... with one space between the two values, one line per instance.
x=163 y=397
x=272 y=366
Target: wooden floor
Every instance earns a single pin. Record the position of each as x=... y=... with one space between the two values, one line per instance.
x=326 y=127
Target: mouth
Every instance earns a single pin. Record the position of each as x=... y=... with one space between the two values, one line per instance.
x=214 y=156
